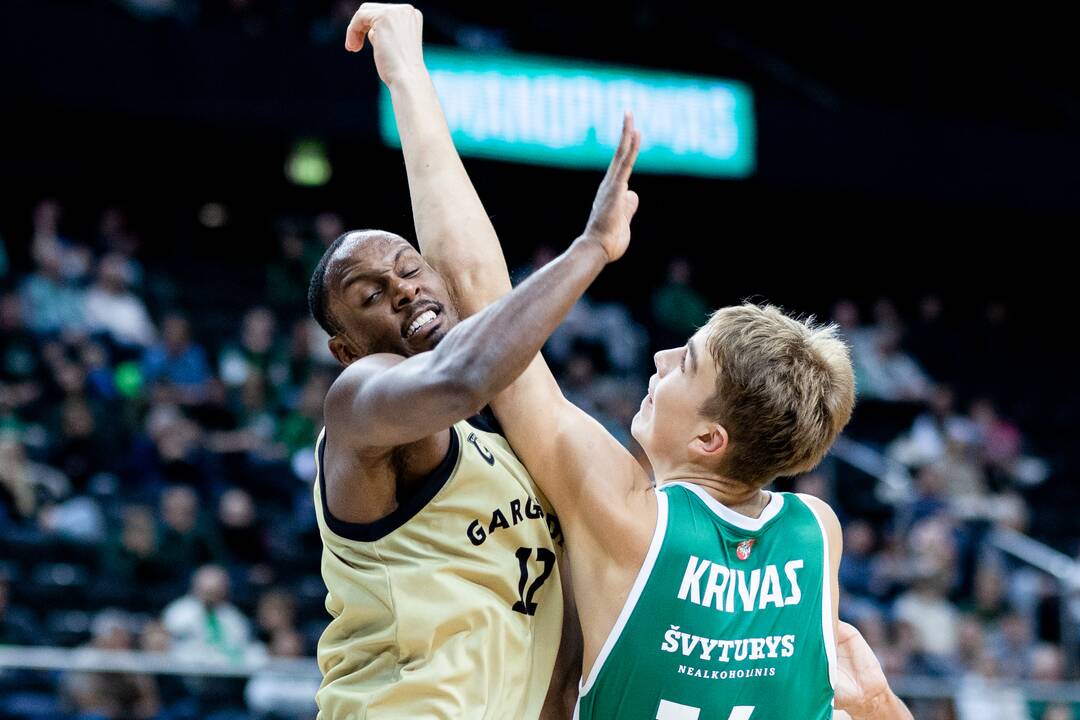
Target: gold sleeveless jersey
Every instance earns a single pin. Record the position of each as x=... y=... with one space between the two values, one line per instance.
x=451 y=606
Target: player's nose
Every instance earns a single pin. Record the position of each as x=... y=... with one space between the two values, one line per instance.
x=660 y=359
x=405 y=291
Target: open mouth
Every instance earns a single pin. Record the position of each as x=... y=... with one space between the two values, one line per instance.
x=421 y=321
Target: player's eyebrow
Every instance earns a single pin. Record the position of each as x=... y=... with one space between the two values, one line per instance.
x=351 y=278
x=693 y=355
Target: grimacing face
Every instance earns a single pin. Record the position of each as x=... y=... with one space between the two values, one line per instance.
x=386 y=298
x=669 y=426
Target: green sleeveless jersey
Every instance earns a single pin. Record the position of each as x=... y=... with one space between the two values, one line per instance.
x=730 y=618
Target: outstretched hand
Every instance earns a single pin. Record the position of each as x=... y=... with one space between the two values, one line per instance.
x=616 y=203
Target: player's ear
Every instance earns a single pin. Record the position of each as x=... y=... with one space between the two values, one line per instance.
x=342 y=349
x=712 y=443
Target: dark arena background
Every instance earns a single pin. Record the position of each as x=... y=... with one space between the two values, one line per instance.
x=173 y=169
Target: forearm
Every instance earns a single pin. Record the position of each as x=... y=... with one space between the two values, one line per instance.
x=493 y=347
x=456 y=236
x=389 y=400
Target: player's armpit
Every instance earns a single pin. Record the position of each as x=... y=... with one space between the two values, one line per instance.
x=597 y=487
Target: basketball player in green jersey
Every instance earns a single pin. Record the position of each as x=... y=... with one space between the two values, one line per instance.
x=659 y=562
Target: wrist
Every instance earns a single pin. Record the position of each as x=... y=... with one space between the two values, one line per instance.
x=590 y=247
x=410 y=78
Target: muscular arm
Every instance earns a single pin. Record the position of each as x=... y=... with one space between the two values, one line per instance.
x=387 y=400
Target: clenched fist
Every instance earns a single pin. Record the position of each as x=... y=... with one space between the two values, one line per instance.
x=396 y=35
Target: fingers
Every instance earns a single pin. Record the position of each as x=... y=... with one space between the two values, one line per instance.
x=364 y=19
x=359 y=26
x=632 y=201
x=622 y=163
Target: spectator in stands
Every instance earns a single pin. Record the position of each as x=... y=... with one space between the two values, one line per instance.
x=186 y=539
x=677 y=308
x=24 y=484
x=22 y=371
x=131 y=558
x=79 y=450
x=282 y=696
x=607 y=325
x=275 y=615
x=1013 y=646
x=204 y=625
x=242 y=533
x=933 y=430
x=299 y=428
x=177 y=365
x=856 y=567
x=1048 y=666
x=113 y=309
x=114 y=236
x=983 y=695
x=301 y=361
x=16 y=624
x=288 y=274
x=123 y=696
x=999 y=441
x=172 y=452
x=74 y=259
x=51 y=303
x=935 y=620
x=989 y=604
x=255 y=352
x=889 y=373
x=970 y=644
x=155 y=638
x=77 y=519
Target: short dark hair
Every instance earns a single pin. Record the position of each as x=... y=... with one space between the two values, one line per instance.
x=318 y=296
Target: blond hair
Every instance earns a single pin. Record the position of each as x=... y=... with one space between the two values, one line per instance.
x=784 y=390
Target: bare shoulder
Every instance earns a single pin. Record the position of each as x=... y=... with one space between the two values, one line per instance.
x=831 y=525
x=361 y=476
x=824 y=512
x=351 y=380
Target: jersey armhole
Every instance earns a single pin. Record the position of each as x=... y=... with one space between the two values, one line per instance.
x=828 y=632
x=636 y=589
x=425 y=491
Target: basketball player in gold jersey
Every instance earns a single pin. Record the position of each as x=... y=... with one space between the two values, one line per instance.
x=480 y=268
x=440 y=557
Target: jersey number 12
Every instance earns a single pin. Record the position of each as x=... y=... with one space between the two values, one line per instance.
x=525 y=604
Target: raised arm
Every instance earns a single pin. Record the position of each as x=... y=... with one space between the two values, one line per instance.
x=596 y=486
x=456 y=237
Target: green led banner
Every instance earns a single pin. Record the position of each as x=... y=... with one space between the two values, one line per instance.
x=569 y=113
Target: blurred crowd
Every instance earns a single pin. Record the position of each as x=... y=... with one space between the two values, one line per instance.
x=155 y=482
